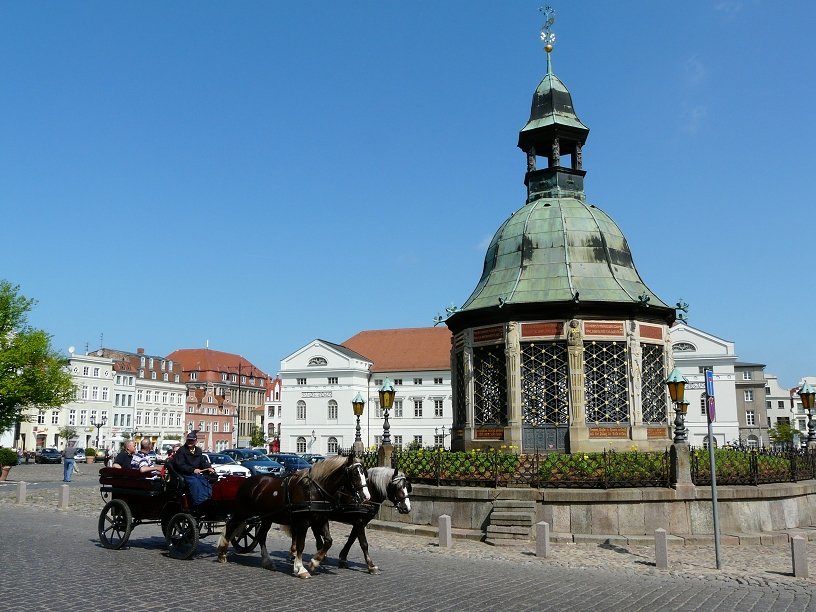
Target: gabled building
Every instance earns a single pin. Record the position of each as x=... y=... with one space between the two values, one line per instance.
x=752 y=412
x=225 y=396
x=320 y=379
x=695 y=351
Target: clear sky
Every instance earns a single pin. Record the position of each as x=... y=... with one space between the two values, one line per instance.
x=260 y=174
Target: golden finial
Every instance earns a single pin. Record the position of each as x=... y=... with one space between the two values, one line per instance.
x=548 y=37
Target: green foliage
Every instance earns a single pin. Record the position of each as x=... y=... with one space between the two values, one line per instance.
x=172 y=437
x=257 y=437
x=782 y=434
x=32 y=373
x=7 y=457
x=68 y=433
x=90 y=452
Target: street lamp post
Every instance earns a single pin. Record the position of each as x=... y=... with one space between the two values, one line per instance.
x=99 y=425
x=444 y=435
x=807 y=392
x=387 y=394
x=677 y=390
x=358 y=404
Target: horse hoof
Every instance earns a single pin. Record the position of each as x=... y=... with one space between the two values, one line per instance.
x=374 y=570
x=304 y=574
x=342 y=564
x=222 y=558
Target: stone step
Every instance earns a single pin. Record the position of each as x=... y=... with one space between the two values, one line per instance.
x=508 y=536
x=512 y=518
x=514 y=503
x=515 y=529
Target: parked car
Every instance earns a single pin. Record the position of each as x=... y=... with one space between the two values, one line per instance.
x=226 y=466
x=290 y=461
x=79 y=455
x=313 y=458
x=48 y=455
x=255 y=461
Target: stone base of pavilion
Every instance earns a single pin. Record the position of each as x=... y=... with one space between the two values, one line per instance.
x=764 y=514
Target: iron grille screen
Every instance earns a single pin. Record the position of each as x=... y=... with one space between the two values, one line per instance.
x=460 y=412
x=606 y=390
x=544 y=383
x=652 y=385
x=489 y=385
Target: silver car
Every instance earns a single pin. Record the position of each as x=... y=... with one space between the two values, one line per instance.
x=224 y=465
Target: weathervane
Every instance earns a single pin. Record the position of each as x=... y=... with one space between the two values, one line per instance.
x=547 y=37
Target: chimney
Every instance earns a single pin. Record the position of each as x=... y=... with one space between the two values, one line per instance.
x=140 y=351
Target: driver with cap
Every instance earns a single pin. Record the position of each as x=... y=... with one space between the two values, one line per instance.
x=191 y=463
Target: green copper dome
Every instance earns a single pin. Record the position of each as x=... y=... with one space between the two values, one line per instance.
x=559 y=250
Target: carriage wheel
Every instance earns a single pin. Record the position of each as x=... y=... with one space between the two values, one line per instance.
x=247 y=540
x=115 y=524
x=182 y=536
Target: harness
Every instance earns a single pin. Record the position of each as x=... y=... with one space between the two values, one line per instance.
x=329 y=502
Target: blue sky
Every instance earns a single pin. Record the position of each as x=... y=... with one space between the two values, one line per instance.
x=260 y=174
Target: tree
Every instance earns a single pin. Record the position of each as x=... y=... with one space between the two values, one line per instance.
x=68 y=433
x=782 y=434
x=32 y=374
x=257 y=437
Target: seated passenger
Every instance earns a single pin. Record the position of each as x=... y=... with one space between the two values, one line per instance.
x=125 y=458
x=142 y=461
x=191 y=463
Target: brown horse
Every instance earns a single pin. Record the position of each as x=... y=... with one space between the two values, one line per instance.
x=384 y=484
x=305 y=498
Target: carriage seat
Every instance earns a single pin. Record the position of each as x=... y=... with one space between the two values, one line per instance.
x=133 y=480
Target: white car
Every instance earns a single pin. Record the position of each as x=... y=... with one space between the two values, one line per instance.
x=226 y=466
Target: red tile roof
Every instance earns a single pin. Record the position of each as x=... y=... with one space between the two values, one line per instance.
x=208 y=360
x=404 y=350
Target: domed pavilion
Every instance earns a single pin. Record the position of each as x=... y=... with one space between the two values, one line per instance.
x=561 y=346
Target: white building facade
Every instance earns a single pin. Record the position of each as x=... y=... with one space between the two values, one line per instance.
x=320 y=380
x=694 y=351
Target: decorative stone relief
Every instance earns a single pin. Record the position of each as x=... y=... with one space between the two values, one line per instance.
x=575 y=350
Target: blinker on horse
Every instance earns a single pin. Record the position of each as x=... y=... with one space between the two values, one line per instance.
x=305 y=498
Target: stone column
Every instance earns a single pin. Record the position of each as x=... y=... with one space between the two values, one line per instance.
x=681 y=470
x=467 y=355
x=575 y=352
x=637 y=427
x=513 y=363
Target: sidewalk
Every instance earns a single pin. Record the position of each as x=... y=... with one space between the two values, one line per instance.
x=747 y=559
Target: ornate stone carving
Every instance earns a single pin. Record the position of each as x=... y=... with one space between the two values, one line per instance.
x=531 y=159
x=555 y=155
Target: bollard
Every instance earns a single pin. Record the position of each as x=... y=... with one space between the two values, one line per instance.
x=799 y=554
x=661 y=549
x=21 y=492
x=445 y=536
x=62 y=500
x=542 y=539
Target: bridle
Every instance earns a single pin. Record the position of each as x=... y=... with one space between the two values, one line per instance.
x=401 y=483
x=359 y=483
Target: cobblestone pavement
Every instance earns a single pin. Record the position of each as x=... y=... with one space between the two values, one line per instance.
x=754 y=577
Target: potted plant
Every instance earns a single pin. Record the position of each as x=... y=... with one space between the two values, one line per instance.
x=8 y=459
x=90 y=454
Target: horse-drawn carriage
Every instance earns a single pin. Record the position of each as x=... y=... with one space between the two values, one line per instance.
x=134 y=498
x=245 y=508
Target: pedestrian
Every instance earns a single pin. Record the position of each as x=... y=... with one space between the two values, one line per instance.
x=68 y=460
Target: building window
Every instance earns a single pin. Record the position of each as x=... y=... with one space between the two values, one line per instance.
x=397 y=408
x=301 y=411
x=72 y=417
x=749 y=395
x=753 y=441
x=332 y=447
x=84 y=392
x=768 y=405
x=378 y=440
x=152 y=375
x=141 y=373
x=746 y=375
x=417 y=409
x=378 y=382
x=40 y=418
x=139 y=396
x=150 y=363
x=215 y=426
x=438 y=412
x=332 y=380
x=417 y=381
x=397 y=441
x=703 y=406
x=96 y=372
x=301 y=444
x=104 y=394
x=55 y=417
x=138 y=417
x=397 y=381
x=750 y=417
x=437 y=381
x=85 y=370
x=224 y=376
x=301 y=381
x=439 y=441
x=83 y=417
x=148 y=397
x=94 y=393
x=780 y=404
x=165 y=377
x=332 y=410
x=418 y=441
x=193 y=375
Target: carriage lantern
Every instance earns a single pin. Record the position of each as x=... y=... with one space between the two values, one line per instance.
x=387 y=394
x=806 y=393
x=358 y=403
x=677 y=390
